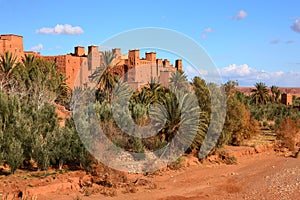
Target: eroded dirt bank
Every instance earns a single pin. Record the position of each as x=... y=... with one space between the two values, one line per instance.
x=265 y=175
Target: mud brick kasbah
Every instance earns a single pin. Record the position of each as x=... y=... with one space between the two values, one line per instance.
x=82 y=63
x=79 y=65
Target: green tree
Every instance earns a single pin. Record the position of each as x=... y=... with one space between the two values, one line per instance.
x=62 y=146
x=276 y=93
x=155 y=90
x=14 y=155
x=28 y=61
x=203 y=94
x=288 y=133
x=230 y=88
x=238 y=123
x=179 y=81
x=105 y=77
x=260 y=93
x=179 y=114
x=7 y=63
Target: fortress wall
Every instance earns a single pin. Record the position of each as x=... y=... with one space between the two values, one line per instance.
x=85 y=65
x=13 y=44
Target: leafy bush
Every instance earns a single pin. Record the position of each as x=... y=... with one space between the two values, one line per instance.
x=238 y=124
x=226 y=158
x=288 y=133
x=176 y=164
x=14 y=155
x=27 y=133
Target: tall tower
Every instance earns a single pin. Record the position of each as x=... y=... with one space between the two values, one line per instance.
x=133 y=62
x=93 y=58
x=79 y=51
x=151 y=56
x=13 y=44
x=178 y=64
x=133 y=58
x=287 y=99
x=116 y=52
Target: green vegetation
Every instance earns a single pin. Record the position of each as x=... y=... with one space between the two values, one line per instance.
x=287 y=132
x=29 y=126
x=30 y=129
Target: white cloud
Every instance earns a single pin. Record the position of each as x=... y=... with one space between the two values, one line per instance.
x=277 y=41
x=247 y=76
x=208 y=30
x=37 y=47
x=235 y=70
x=61 y=29
x=296 y=26
x=240 y=15
x=192 y=71
x=290 y=41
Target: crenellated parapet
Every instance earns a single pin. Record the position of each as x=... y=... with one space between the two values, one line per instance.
x=81 y=64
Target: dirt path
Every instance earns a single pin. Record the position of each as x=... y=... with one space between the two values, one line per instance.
x=258 y=176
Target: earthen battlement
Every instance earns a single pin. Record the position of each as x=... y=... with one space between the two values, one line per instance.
x=79 y=65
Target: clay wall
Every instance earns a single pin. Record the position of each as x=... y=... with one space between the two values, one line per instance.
x=79 y=51
x=165 y=78
x=93 y=58
x=151 y=56
x=178 y=64
x=84 y=65
x=166 y=63
x=286 y=99
x=13 y=44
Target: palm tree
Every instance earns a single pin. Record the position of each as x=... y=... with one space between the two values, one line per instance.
x=63 y=90
x=275 y=93
x=109 y=57
x=140 y=103
x=260 y=93
x=28 y=61
x=106 y=79
x=178 y=81
x=179 y=115
x=7 y=63
x=230 y=87
x=155 y=90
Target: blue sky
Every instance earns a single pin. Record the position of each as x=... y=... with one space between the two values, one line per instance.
x=249 y=40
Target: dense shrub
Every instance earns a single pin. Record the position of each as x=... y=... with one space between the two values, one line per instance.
x=238 y=124
x=288 y=133
x=27 y=133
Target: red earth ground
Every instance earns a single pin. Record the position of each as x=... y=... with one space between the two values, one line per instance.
x=258 y=174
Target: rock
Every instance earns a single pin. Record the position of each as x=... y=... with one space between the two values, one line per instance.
x=141 y=182
x=85 y=181
x=190 y=161
x=258 y=148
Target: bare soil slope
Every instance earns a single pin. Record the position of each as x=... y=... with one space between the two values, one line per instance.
x=263 y=175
